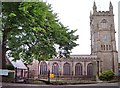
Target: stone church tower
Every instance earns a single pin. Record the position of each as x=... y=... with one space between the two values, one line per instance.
x=103 y=43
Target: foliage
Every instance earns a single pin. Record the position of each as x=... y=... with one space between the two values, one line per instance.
x=10 y=67
x=31 y=30
x=107 y=75
x=11 y=75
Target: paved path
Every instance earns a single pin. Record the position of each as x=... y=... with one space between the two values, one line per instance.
x=99 y=85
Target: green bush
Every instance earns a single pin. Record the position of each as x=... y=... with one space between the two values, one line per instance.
x=11 y=75
x=10 y=67
x=106 y=76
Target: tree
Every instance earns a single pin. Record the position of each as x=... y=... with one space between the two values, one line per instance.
x=31 y=30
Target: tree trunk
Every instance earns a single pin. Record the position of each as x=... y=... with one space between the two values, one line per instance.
x=1 y=56
x=38 y=69
x=4 y=50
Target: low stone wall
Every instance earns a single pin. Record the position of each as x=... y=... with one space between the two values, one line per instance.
x=67 y=77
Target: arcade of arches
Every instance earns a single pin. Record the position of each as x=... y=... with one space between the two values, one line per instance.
x=76 y=66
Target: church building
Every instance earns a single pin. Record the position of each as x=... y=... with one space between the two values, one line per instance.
x=104 y=55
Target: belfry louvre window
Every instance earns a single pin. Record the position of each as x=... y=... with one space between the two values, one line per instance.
x=101 y=47
x=106 y=47
x=109 y=47
x=66 y=69
x=43 y=68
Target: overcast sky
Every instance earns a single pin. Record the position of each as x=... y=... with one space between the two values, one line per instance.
x=75 y=14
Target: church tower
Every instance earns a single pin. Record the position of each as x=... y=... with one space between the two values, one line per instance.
x=103 y=43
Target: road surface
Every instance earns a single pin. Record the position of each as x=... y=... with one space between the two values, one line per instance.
x=98 y=85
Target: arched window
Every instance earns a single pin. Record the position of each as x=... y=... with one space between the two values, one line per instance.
x=43 y=68
x=106 y=47
x=104 y=23
x=55 y=69
x=90 y=70
x=66 y=69
x=109 y=47
x=103 y=47
x=78 y=69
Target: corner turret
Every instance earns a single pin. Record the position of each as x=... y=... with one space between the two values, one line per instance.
x=90 y=17
x=94 y=7
x=111 y=8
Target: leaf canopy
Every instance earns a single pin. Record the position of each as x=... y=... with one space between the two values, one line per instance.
x=33 y=30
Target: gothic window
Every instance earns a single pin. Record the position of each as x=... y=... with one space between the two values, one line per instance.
x=55 y=69
x=66 y=69
x=102 y=47
x=104 y=23
x=109 y=47
x=78 y=69
x=106 y=47
x=43 y=68
x=90 y=70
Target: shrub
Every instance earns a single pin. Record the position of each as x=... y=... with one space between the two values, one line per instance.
x=10 y=67
x=106 y=76
x=11 y=75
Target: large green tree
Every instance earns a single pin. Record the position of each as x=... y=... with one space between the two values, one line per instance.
x=31 y=30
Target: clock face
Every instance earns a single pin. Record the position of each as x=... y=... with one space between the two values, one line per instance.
x=106 y=38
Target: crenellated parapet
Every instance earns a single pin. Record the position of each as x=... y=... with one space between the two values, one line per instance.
x=100 y=13
x=97 y=13
x=103 y=13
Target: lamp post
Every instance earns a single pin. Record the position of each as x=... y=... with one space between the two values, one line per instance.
x=1 y=48
x=0 y=38
x=48 y=73
x=15 y=74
